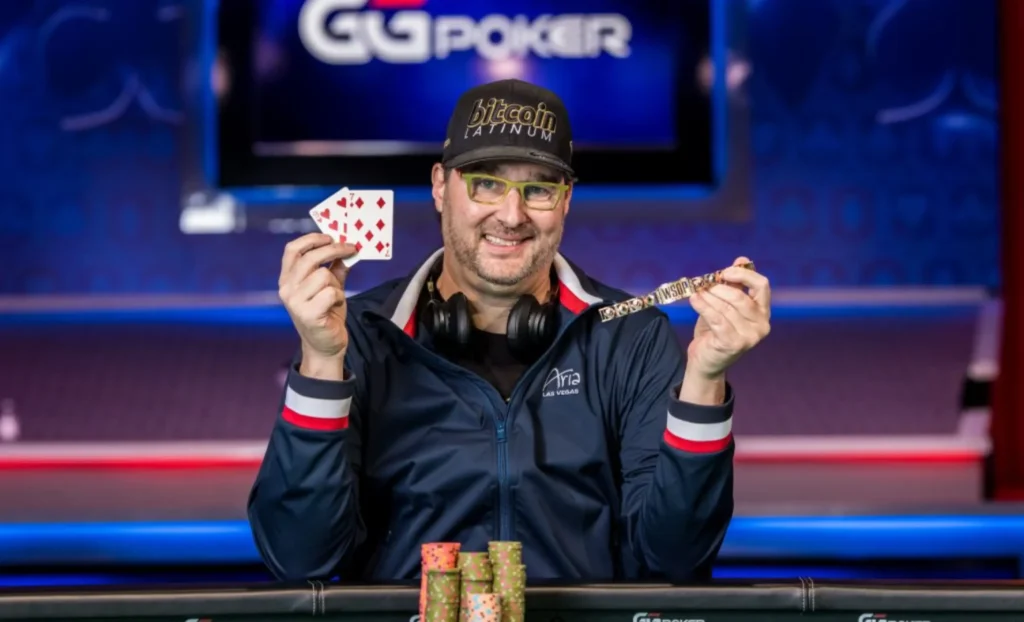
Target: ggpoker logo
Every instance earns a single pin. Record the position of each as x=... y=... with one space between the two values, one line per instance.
x=355 y=32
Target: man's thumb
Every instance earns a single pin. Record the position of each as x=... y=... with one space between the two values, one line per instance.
x=339 y=270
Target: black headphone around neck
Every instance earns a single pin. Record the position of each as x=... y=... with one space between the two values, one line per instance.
x=532 y=325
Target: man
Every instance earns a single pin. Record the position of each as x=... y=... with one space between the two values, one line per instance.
x=482 y=398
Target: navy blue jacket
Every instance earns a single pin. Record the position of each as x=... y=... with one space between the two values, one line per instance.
x=593 y=463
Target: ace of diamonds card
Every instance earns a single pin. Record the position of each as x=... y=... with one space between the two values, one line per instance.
x=331 y=213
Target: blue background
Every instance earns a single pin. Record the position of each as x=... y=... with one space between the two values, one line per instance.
x=874 y=146
x=839 y=196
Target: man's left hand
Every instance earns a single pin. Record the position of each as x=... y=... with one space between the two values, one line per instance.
x=734 y=317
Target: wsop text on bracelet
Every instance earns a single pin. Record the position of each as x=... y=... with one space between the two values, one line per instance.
x=665 y=294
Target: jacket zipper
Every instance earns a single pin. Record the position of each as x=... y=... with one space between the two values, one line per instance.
x=501 y=435
x=504 y=488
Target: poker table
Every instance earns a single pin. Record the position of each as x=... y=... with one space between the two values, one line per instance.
x=787 y=601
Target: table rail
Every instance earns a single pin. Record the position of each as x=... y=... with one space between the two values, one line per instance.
x=316 y=599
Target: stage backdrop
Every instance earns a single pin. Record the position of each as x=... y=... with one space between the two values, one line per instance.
x=873 y=143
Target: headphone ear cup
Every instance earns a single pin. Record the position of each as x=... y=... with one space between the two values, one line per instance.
x=545 y=323
x=449 y=321
x=435 y=318
x=531 y=327
x=517 y=330
x=460 y=321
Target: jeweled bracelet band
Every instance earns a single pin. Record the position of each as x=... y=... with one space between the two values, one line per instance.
x=665 y=294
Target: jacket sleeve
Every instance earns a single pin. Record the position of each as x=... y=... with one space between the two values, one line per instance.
x=676 y=461
x=304 y=506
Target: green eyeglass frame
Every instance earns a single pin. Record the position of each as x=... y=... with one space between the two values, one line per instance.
x=521 y=186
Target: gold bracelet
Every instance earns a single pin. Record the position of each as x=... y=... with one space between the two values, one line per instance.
x=666 y=294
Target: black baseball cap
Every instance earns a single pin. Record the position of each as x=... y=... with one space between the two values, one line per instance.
x=509 y=120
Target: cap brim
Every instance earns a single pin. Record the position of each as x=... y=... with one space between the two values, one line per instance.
x=508 y=152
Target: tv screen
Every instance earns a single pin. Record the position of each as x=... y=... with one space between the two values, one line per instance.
x=321 y=92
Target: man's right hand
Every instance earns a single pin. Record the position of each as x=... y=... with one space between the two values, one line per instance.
x=314 y=296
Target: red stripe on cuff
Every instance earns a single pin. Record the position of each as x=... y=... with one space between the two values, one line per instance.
x=699 y=447
x=321 y=424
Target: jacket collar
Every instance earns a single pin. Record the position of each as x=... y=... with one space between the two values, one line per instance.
x=576 y=292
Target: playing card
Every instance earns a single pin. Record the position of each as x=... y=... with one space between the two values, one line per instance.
x=370 y=221
x=330 y=214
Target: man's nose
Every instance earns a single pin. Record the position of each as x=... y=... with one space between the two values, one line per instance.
x=513 y=209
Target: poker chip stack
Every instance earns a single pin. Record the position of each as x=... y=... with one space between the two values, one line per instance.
x=442 y=596
x=483 y=608
x=477 y=578
x=509 y=579
x=442 y=558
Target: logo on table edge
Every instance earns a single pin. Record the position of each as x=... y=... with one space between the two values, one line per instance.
x=653 y=616
x=884 y=617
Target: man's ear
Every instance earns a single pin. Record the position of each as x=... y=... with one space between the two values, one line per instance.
x=567 y=200
x=437 y=186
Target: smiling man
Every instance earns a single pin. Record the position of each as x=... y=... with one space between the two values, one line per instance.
x=482 y=398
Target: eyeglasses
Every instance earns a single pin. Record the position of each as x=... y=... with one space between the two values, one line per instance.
x=491 y=190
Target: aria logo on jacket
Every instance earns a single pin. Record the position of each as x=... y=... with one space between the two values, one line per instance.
x=561 y=383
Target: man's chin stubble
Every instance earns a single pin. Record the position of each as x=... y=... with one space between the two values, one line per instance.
x=501 y=280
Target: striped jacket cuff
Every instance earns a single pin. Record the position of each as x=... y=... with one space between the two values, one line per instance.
x=697 y=428
x=318 y=404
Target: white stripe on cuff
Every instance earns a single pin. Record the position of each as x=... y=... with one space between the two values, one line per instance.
x=316 y=407
x=701 y=432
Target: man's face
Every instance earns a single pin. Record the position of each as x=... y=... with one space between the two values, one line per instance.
x=502 y=243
